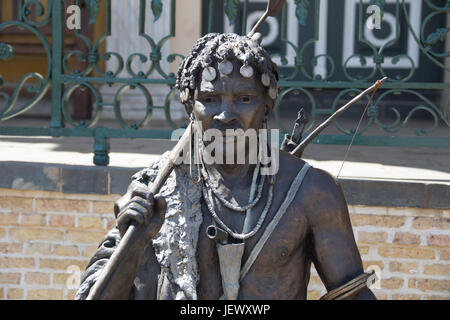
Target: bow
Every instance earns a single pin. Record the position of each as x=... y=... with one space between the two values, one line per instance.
x=297 y=151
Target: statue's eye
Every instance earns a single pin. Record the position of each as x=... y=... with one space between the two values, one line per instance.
x=245 y=99
x=209 y=99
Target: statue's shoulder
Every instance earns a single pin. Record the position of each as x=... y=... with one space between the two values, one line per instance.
x=149 y=173
x=318 y=186
x=289 y=166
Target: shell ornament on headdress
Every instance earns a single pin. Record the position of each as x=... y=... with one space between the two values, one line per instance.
x=225 y=67
x=212 y=56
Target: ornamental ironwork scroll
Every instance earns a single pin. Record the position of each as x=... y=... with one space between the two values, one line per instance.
x=306 y=64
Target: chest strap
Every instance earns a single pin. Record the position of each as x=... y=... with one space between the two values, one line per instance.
x=276 y=219
x=292 y=192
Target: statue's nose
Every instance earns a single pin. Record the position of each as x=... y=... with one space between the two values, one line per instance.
x=226 y=115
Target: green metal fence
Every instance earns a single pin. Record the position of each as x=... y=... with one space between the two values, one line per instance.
x=298 y=78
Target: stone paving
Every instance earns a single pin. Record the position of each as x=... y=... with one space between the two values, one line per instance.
x=363 y=162
x=375 y=163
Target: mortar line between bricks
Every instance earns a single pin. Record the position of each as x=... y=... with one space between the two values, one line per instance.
x=390 y=236
x=425 y=293
x=65 y=242
x=395 y=259
x=76 y=222
x=108 y=181
x=31 y=256
x=395 y=211
x=52 y=256
x=374 y=227
x=390 y=274
x=54 y=195
x=408 y=222
x=432 y=229
x=40 y=287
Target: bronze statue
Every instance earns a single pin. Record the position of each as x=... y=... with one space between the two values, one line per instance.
x=225 y=231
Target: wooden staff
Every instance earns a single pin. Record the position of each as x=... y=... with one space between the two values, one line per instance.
x=272 y=10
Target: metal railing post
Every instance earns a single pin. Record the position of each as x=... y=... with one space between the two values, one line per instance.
x=101 y=147
x=57 y=53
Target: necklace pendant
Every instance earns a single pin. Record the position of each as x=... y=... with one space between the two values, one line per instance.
x=230 y=260
x=215 y=233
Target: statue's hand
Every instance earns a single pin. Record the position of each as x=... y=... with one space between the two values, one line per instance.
x=145 y=209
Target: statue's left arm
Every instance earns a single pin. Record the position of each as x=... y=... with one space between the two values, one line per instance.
x=332 y=245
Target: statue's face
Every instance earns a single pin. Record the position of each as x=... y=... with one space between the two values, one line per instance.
x=231 y=102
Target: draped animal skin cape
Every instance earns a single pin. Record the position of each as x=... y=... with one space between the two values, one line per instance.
x=175 y=245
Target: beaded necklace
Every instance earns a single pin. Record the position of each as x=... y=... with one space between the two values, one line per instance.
x=206 y=186
x=228 y=204
x=241 y=236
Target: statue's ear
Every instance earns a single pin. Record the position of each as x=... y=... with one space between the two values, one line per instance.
x=269 y=105
x=188 y=106
x=184 y=97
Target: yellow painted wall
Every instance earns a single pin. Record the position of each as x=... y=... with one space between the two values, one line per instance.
x=188 y=29
x=12 y=70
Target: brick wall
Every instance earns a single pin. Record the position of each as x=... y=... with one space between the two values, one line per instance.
x=46 y=237
x=409 y=248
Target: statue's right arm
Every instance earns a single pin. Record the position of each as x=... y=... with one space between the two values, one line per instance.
x=136 y=206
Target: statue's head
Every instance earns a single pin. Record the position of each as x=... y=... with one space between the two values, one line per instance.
x=221 y=62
